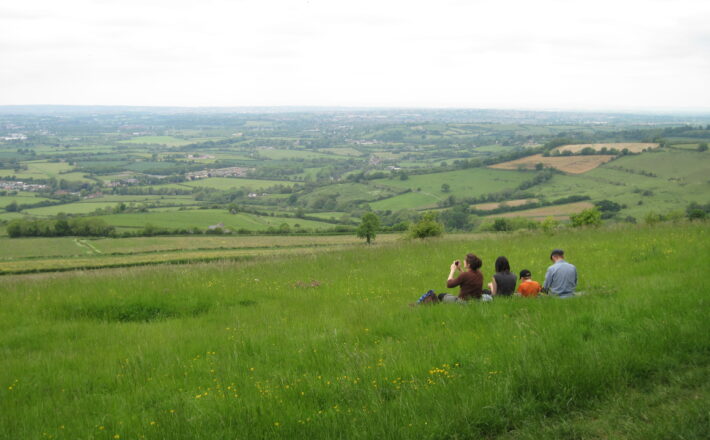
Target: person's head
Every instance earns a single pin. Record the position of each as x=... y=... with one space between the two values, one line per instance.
x=525 y=274
x=473 y=262
x=502 y=264
x=557 y=255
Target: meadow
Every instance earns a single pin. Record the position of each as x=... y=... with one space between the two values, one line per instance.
x=324 y=345
x=202 y=218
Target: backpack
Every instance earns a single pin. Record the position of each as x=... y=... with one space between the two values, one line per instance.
x=428 y=298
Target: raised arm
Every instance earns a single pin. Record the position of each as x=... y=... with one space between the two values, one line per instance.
x=451 y=281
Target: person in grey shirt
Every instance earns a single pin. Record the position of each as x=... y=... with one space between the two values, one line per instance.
x=561 y=277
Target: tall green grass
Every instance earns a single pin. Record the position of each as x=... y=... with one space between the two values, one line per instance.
x=324 y=345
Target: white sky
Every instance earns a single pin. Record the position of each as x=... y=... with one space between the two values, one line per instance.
x=564 y=54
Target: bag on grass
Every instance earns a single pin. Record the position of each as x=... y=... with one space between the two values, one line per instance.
x=428 y=298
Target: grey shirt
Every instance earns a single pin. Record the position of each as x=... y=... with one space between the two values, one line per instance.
x=560 y=279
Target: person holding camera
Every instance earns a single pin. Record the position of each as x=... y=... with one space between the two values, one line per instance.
x=469 y=281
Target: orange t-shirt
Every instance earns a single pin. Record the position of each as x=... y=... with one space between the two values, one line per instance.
x=529 y=288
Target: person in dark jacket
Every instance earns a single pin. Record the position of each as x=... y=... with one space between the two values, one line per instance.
x=469 y=281
x=503 y=280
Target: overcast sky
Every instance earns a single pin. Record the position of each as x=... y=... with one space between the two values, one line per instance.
x=544 y=54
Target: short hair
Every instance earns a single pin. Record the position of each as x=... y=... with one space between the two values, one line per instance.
x=473 y=262
x=558 y=252
x=525 y=273
x=502 y=264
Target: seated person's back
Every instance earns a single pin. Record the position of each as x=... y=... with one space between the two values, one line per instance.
x=528 y=287
x=561 y=277
x=505 y=282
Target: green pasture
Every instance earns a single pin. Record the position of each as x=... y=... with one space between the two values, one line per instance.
x=225 y=183
x=202 y=218
x=325 y=345
x=68 y=208
x=463 y=183
x=410 y=200
x=334 y=215
x=45 y=170
x=342 y=151
x=35 y=247
x=349 y=192
x=168 y=141
x=22 y=198
x=292 y=154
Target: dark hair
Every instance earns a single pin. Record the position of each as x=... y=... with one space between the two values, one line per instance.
x=525 y=273
x=502 y=265
x=474 y=263
x=558 y=252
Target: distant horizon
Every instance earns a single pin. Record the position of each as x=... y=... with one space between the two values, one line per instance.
x=668 y=111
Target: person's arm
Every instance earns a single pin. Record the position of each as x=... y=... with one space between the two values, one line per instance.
x=494 y=286
x=548 y=279
x=452 y=272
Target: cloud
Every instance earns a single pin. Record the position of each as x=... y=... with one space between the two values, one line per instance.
x=504 y=53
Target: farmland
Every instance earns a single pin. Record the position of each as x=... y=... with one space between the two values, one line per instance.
x=259 y=172
x=325 y=346
x=568 y=164
x=559 y=212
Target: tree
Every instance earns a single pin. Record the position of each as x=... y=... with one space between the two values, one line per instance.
x=456 y=218
x=703 y=147
x=428 y=226
x=445 y=187
x=588 y=217
x=502 y=224
x=369 y=226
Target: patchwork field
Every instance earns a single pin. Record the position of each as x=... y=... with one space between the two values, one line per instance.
x=567 y=164
x=633 y=147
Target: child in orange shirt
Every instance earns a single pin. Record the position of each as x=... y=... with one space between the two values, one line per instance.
x=528 y=287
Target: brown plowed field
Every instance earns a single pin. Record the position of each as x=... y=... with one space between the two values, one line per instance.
x=633 y=147
x=567 y=164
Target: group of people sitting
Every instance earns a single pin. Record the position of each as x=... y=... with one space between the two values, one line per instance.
x=560 y=281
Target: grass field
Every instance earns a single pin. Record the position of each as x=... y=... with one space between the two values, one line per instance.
x=633 y=147
x=21 y=198
x=559 y=212
x=202 y=218
x=324 y=346
x=45 y=170
x=568 y=164
x=62 y=253
x=410 y=200
x=168 y=141
x=465 y=183
x=224 y=183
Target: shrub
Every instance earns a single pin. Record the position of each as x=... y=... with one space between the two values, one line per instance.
x=588 y=217
x=428 y=226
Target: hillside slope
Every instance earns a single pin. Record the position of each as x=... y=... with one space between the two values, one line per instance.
x=325 y=346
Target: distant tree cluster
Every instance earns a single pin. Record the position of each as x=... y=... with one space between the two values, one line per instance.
x=60 y=227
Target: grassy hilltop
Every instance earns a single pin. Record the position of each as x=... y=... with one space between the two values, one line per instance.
x=323 y=345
